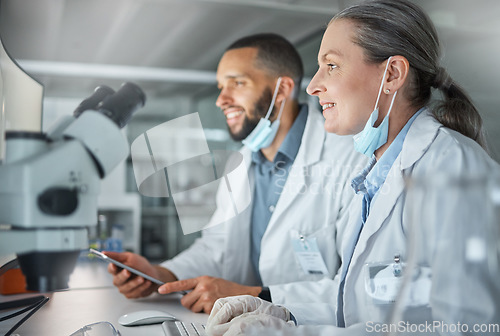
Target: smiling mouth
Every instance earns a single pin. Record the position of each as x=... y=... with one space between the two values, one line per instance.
x=327 y=106
x=234 y=114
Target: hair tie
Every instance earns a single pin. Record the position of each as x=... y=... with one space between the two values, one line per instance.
x=442 y=80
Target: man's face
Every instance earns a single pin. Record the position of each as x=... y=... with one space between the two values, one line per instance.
x=245 y=91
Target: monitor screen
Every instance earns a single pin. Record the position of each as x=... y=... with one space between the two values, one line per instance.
x=21 y=98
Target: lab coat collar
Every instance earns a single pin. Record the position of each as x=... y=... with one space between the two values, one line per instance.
x=420 y=136
x=425 y=128
x=309 y=153
x=311 y=147
x=312 y=140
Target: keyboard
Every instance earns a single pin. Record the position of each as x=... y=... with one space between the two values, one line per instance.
x=179 y=328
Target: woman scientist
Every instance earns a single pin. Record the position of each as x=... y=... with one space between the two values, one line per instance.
x=378 y=63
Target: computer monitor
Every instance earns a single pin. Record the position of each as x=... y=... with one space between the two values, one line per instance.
x=21 y=99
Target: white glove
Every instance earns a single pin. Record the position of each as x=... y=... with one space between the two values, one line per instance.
x=226 y=309
x=254 y=323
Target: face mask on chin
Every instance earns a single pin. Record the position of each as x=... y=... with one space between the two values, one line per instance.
x=372 y=138
x=251 y=120
x=264 y=133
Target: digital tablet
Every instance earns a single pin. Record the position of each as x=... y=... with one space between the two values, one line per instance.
x=132 y=270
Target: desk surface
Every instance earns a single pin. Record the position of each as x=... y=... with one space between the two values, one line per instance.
x=92 y=298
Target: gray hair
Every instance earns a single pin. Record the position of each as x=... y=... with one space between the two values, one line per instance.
x=386 y=28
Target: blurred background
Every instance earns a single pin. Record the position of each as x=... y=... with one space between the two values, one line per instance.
x=171 y=49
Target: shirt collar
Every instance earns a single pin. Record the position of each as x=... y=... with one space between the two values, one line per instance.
x=291 y=144
x=375 y=173
x=357 y=182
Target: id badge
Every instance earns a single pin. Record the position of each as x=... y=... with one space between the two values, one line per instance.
x=383 y=281
x=307 y=252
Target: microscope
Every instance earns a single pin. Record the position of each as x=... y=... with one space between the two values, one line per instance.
x=50 y=182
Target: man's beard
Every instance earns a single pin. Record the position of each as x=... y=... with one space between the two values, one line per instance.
x=259 y=111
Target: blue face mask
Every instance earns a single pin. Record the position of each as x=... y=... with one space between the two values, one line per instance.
x=263 y=134
x=372 y=138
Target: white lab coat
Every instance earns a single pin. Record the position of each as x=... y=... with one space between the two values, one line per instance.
x=316 y=194
x=428 y=149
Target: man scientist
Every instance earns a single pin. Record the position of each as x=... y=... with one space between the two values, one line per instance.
x=286 y=240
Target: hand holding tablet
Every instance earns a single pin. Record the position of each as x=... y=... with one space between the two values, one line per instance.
x=130 y=269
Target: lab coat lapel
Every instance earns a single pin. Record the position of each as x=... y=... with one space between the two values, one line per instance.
x=309 y=153
x=348 y=240
x=389 y=193
x=418 y=140
x=420 y=136
x=238 y=239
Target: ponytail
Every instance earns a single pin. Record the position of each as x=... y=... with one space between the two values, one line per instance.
x=387 y=27
x=457 y=111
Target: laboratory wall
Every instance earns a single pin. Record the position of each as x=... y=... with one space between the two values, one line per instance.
x=171 y=49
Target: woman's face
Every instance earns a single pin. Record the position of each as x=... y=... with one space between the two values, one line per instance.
x=346 y=85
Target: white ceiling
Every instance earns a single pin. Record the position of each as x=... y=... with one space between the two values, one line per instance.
x=171 y=34
x=64 y=43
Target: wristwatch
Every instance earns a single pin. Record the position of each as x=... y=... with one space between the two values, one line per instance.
x=265 y=294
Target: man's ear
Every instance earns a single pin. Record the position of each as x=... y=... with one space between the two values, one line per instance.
x=397 y=73
x=286 y=89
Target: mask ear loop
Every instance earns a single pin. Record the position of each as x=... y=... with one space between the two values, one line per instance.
x=382 y=84
x=392 y=102
x=274 y=98
x=281 y=108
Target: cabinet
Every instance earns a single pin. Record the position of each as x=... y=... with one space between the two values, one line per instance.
x=162 y=234
x=122 y=209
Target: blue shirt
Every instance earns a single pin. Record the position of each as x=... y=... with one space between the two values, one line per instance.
x=368 y=182
x=270 y=178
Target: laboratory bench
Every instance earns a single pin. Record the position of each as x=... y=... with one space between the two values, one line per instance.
x=92 y=298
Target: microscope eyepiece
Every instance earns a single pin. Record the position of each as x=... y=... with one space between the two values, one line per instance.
x=91 y=102
x=120 y=106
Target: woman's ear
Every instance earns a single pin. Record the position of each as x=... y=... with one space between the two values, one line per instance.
x=286 y=89
x=397 y=73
